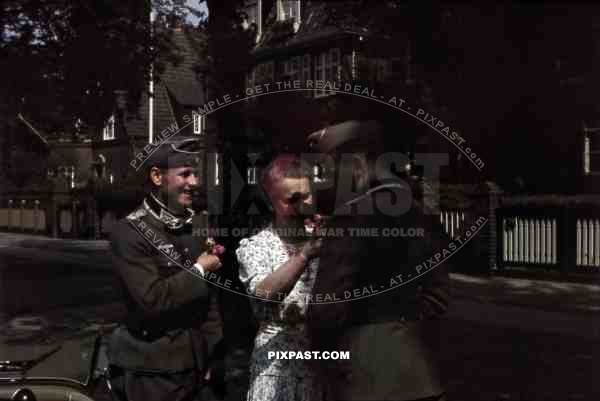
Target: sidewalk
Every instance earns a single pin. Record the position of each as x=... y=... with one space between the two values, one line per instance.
x=547 y=295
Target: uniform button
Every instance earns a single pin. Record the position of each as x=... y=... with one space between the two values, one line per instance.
x=144 y=333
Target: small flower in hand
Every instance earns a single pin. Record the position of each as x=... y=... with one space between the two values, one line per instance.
x=218 y=249
x=212 y=247
x=313 y=224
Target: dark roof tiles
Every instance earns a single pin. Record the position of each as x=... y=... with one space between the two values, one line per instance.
x=179 y=82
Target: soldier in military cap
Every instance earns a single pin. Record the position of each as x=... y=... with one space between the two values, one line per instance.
x=161 y=352
x=390 y=358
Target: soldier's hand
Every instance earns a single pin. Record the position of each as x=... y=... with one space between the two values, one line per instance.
x=209 y=263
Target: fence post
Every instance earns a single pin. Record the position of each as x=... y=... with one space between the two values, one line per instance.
x=55 y=217
x=21 y=213
x=499 y=237
x=486 y=204
x=567 y=240
x=36 y=215
x=493 y=235
x=10 y=215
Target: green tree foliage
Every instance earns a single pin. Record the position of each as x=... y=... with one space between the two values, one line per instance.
x=61 y=60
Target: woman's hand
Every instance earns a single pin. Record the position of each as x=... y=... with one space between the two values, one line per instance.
x=312 y=248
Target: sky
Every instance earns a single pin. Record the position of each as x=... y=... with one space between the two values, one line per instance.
x=194 y=3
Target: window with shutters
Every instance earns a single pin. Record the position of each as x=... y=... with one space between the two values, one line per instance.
x=288 y=9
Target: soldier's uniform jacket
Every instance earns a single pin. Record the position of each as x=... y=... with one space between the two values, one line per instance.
x=167 y=300
x=401 y=281
x=386 y=330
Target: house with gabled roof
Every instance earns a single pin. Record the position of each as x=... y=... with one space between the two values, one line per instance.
x=166 y=110
x=312 y=42
x=329 y=42
x=87 y=177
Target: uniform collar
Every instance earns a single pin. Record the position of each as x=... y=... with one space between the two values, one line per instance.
x=161 y=212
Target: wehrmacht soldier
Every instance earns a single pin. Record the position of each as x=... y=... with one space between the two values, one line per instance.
x=162 y=349
x=394 y=293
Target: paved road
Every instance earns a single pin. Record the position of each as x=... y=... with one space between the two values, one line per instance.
x=36 y=279
x=502 y=340
x=488 y=363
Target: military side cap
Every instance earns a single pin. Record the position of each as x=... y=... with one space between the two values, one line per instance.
x=334 y=136
x=177 y=152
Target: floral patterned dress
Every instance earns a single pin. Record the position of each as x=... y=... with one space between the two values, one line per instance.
x=282 y=324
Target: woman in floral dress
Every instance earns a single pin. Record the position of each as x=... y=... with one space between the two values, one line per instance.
x=278 y=266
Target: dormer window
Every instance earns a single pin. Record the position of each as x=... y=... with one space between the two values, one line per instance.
x=199 y=124
x=108 y=133
x=289 y=9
